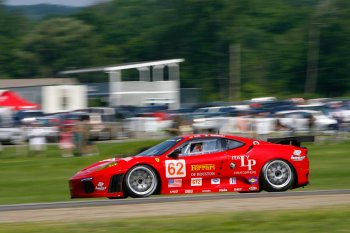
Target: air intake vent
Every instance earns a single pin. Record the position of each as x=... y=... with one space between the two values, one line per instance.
x=88 y=187
x=115 y=185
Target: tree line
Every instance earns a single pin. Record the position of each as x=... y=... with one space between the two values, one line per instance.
x=283 y=43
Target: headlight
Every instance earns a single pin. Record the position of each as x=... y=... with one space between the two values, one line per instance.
x=108 y=165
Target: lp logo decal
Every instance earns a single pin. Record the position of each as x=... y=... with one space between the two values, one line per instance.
x=245 y=161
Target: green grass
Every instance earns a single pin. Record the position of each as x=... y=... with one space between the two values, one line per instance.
x=44 y=178
x=329 y=165
x=317 y=220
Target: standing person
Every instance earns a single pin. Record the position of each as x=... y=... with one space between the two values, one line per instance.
x=78 y=139
x=83 y=142
x=177 y=122
x=85 y=129
x=311 y=123
x=89 y=146
x=242 y=124
x=66 y=141
x=262 y=126
x=37 y=139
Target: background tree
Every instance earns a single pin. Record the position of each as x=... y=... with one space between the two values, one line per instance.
x=54 y=45
x=273 y=37
x=12 y=28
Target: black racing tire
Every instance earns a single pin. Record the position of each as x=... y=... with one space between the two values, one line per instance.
x=141 y=181
x=277 y=176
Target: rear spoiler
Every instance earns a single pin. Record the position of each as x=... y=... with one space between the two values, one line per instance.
x=294 y=141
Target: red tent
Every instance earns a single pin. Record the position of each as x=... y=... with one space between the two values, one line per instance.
x=15 y=102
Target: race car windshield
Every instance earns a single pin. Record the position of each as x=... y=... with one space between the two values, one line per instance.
x=161 y=148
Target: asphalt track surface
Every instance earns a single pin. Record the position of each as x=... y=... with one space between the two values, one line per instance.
x=171 y=199
x=91 y=210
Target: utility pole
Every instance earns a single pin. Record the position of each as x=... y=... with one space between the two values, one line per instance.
x=235 y=72
x=314 y=47
x=312 y=59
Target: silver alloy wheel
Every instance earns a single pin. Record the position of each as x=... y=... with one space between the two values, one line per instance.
x=141 y=181
x=278 y=174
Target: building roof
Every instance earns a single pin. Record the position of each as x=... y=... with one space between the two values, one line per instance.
x=125 y=66
x=11 y=83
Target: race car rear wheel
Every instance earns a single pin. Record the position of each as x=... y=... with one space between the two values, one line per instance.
x=141 y=181
x=277 y=176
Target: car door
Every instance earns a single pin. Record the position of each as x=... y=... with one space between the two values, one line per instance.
x=197 y=169
x=239 y=162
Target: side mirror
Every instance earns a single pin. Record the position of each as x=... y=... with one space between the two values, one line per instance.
x=175 y=154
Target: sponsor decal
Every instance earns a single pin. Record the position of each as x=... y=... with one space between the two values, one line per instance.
x=253 y=188
x=174 y=183
x=245 y=161
x=196 y=181
x=237 y=189
x=202 y=167
x=215 y=181
x=244 y=172
x=233 y=180
x=297 y=152
x=206 y=191
x=100 y=186
x=297 y=158
x=222 y=190
x=189 y=191
x=175 y=168
x=253 y=180
x=174 y=191
x=157 y=160
x=203 y=174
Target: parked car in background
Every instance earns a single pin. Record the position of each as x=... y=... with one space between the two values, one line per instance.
x=271 y=106
x=345 y=113
x=209 y=119
x=306 y=120
x=9 y=133
x=50 y=127
x=215 y=111
x=102 y=122
x=324 y=108
x=26 y=116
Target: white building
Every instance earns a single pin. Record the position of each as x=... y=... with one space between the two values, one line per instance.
x=151 y=88
x=52 y=94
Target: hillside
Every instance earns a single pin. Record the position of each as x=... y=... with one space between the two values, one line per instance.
x=41 y=11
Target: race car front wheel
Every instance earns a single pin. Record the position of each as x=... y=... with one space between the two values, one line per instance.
x=141 y=181
x=277 y=176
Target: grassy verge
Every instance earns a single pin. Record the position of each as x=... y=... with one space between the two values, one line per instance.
x=329 y=165
x=43 y=177
x=316 y=220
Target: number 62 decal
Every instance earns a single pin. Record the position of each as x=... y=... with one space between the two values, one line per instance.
x=175 y=168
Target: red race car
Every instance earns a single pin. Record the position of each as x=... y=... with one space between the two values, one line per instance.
x=199 y=164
